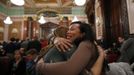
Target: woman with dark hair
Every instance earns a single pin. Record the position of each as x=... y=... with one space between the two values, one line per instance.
x=18 y=64
x=83 y=58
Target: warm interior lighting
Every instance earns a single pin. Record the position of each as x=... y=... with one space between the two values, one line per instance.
x=18 y=2
x=8 y=20
x=75 y=19
x=80 y=2
x=42 y=20
x=15 y=30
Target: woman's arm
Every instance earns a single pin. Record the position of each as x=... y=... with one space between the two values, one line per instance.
x=97 y=67
x=73 y=66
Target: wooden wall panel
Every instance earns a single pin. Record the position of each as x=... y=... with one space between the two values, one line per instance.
x=1 y=29
x=115 y=19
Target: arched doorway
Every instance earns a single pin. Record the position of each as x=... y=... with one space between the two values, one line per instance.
x=47 y=28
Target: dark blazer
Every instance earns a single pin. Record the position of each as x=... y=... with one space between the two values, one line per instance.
x=20 y=69
x=127 y=51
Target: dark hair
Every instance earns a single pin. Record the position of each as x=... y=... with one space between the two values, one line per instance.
x=87 y=30
x=61 y=31
x=12 y=39
x=89 y=35
x=18 y=52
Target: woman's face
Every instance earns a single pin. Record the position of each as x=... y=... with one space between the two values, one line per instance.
x=17 y=55
x=74 y=32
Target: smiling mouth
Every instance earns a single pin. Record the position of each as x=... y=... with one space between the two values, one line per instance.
x=68 y=37
x=71 y=38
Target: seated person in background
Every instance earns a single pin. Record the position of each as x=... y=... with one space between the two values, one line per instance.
x=119 y=68
x=127 y=51
x=18 y=64
x=120 y=41
x=31 y=61
x=83 y=58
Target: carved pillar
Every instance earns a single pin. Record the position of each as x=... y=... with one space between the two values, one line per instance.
x=6 y=29
x=30 y=27
x=124 y=18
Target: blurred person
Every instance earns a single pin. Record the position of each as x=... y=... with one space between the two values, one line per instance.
x=10 y=48
x=24 y=44
x=120 y=41
x=34 y=44
x=18 y=64
x=17 y=43
x=53 y=54
x=31 y=61
x=127 y=51
x=22 y=51
x=43 y=42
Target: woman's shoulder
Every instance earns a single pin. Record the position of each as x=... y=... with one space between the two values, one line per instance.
x=86 y=43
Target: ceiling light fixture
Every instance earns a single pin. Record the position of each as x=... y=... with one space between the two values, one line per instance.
x=18 y=2
x=80 y=2
x=42 y=20
x=8 y=20
x=75 y=19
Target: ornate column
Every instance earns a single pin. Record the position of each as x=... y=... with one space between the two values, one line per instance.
x=6 y=29
x=30 y=27
x=124 y=18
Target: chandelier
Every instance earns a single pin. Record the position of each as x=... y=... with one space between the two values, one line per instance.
x=8 y=20
x=42 y=20
x=18 y=2
x=75 y=19
x=80 y=2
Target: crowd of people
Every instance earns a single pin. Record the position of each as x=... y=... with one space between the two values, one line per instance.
x=16 y=56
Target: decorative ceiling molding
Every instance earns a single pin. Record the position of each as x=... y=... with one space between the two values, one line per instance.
x=2 y=15
x=47 y=5
x=33 y=6
x=30 y=3
x=68 y=4
x=47 y=9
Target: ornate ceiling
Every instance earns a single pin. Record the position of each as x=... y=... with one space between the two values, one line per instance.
x=49 y=3
x=42 y=3
x=61 y=6
x=33 y=6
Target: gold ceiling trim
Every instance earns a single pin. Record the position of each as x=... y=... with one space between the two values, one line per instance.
x=47 y=9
